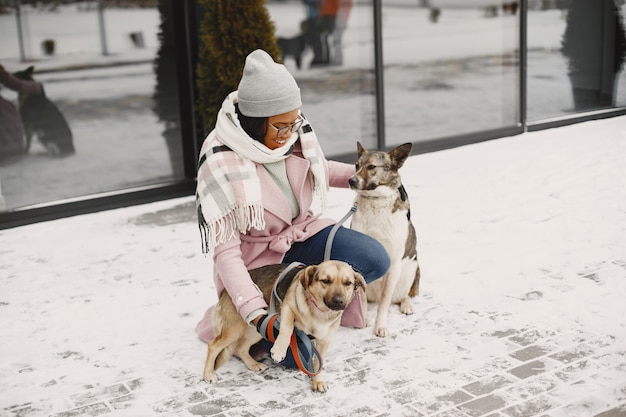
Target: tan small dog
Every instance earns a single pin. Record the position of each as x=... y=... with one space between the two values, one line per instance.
x=313 y=300
x=383 y=212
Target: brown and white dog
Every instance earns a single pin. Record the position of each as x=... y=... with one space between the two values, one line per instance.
x=383 y=212
x=313 y=297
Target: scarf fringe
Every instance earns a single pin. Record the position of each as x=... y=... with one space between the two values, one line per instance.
x=239 y=218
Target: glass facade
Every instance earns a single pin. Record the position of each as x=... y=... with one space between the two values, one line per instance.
x=575 y=57
x=451 y=68
x=111 y=73
x=436 y=73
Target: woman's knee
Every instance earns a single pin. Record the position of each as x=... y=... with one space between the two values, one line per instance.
x=365 y=254
x=380 y=263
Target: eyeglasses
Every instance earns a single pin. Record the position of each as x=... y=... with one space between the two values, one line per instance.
x=284 y=130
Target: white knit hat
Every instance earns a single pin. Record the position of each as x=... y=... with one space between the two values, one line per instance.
x=266 y=88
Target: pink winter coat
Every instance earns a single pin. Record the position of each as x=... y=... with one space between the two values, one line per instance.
x=262 y=247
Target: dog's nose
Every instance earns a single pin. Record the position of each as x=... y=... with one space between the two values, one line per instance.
x=336 y=303
x=353 y=182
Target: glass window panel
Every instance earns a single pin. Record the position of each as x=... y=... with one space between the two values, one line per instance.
x=124 y=124
x=451 y=68
x=575 y=48
x=338 y=96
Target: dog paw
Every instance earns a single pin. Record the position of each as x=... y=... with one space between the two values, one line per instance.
x=406 y=307
x=258 y=367
x=381 y=331
x=210 y=377
x=319 y=386
x=278 y=352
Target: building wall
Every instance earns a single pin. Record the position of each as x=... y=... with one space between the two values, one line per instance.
x=435 y=73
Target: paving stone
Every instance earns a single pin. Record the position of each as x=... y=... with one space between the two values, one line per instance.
x=530 y=337
x=612 y=359
x=614 y=412
x=588 y=406
x=454 y=412
x=503 y=333
x=180 y=401
x=533 y=368
x=483 y=405
x=99 y=394
x=446 y=401
x=489 y=384
x=532 y=352
x=603 y=341
x=574 y=354
x=122 y=403
x=571 y=338
x=578 y=370
x=96 y=409
x=404 y=395
x=493 y=366
x=570 y=393
x=532 y=407
x=532 y=387
x=24 y=410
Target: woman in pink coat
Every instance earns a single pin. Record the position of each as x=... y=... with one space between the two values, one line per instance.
x=258 y=173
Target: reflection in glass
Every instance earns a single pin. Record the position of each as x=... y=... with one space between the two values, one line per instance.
x=125 y=130
x=575 y=57
x=451 y=68
x=594 y=46
x=328 y=47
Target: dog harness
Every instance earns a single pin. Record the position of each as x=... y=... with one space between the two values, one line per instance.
x=301 y=346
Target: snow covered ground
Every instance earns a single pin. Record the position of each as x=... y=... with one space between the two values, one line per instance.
x=522 y=243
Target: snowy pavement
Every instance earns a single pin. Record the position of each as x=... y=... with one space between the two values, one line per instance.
x=522 y=245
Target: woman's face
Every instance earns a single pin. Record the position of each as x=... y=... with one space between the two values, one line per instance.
x=285 y=122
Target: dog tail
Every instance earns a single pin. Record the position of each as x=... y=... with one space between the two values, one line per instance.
x=415 y=288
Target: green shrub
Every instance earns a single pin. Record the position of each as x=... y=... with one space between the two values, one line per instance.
x=229 y=31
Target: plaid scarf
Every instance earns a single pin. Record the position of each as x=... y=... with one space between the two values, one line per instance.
x=228 y=191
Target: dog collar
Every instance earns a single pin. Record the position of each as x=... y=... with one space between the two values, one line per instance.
x=312 y=301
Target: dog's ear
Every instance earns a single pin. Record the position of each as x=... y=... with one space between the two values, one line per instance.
x=360 y=150
x=399 y=154
x=359 y=281
x=307 y=276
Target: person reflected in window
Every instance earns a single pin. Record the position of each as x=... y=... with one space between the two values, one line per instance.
x=594 y=43
x=340 y=25
x=11 y=126
x=259 y=172
x=312 y=31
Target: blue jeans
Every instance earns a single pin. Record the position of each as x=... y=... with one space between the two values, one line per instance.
x=364 y=253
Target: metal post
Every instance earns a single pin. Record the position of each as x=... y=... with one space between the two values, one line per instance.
x=379 y=71
x=103 y=37
x=522 y=12
x=20 y=35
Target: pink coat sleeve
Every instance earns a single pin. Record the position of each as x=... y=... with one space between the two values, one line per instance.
x=340 y=173
x=231 y=274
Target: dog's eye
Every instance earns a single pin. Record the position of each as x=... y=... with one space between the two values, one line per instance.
x=371 y=167
x=348 y=284
x=326 y=281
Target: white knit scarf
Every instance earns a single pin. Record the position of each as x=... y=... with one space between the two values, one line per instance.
x=228 y=191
